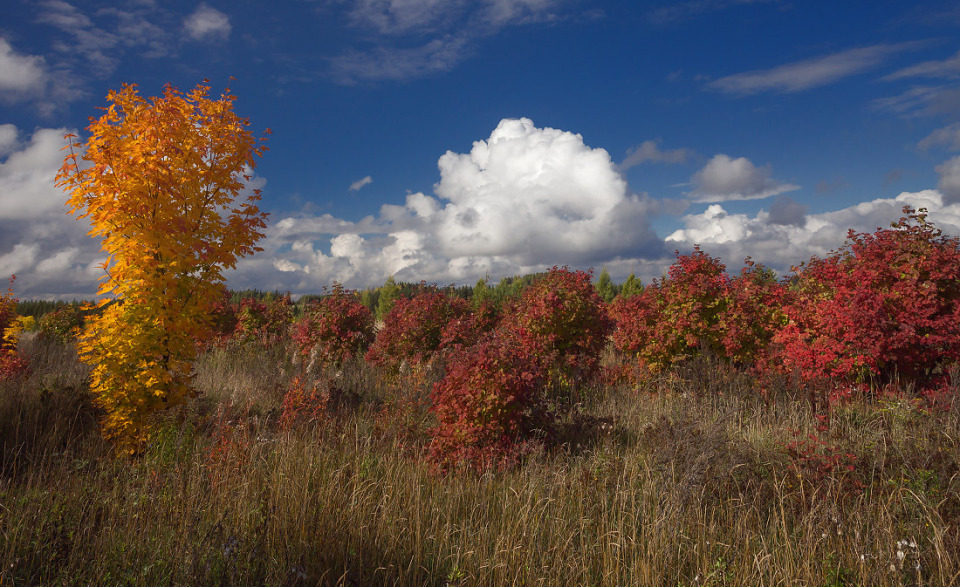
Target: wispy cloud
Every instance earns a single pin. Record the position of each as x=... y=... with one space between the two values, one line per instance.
x=922 y=101
x=399 y=17
x=94 y=42
x=207 y=24
x=416 y=38
x=934 y=98
x=677 y=11
x=808 y=73
x=946 y=68
x=361 y=183
x=390 y=63
x=94 y=45
x=948 y=136
x=649 y=151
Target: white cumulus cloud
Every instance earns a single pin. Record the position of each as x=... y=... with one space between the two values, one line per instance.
x=21 y=76
x=786 y=211
x=8 y=138
x=949 y=184
x=47 y=249
x=724 y=178
x=733 y=237
x=522 y=200
x=27 y=176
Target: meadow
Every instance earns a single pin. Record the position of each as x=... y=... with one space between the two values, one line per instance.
x=690 y=478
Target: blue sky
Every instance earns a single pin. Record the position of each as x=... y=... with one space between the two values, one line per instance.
x=449 y=140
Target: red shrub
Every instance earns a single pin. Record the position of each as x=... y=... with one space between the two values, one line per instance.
x=488 y=405
x=62 y=324
x=469 y=328
x=675 y=317
x=263 y=321
x=232 y=440
x=311 y=402
x=8 y=314
x=12 y=363
x=564 y=320
x=223 y=319
x=752 y=317
x=815 y=461
x=334 y=329
x=884 y=307
x=413 y=329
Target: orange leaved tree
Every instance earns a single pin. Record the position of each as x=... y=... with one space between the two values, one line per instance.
x=162 y=182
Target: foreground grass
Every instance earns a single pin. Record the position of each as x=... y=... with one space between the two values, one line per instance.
x=699 y=483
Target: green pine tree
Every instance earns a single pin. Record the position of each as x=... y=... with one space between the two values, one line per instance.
x=605 y=286
x=389 y=292
x=631 y=287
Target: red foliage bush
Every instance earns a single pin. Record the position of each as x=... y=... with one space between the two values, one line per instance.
x=12 y=363
x=223 y=318
x=488 y=405
x=469 y=328
x=814 y=461
x=311 y=402
x=414 y=329
x=62 y=324
x=752 y=316
x=263 y=321
x=228 y=456
x=676 y=317
x=564 y=320
x=8 y=313
x=884 y=308
x=334 y=329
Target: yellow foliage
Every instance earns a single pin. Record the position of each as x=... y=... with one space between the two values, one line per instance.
x=27 y=323
x=161 y=181
x=9 y=330
x=11 y=335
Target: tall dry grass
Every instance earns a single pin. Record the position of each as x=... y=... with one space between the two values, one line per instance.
x=689 y=481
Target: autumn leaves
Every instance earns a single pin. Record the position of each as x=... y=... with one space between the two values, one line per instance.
x=161 y=181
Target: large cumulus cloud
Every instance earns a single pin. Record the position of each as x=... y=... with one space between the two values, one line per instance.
x=522 y=200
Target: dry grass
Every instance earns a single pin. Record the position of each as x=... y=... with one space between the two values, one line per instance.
x=687 y=482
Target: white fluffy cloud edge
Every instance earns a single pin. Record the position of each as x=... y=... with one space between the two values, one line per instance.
x=522 y=200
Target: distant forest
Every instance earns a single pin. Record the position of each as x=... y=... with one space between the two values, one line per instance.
x=379 y=298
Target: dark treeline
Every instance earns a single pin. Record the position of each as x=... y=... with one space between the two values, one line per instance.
x=38 y=308
x=379 y=299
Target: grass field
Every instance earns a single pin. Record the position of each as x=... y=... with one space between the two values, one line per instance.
x=691 y=480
